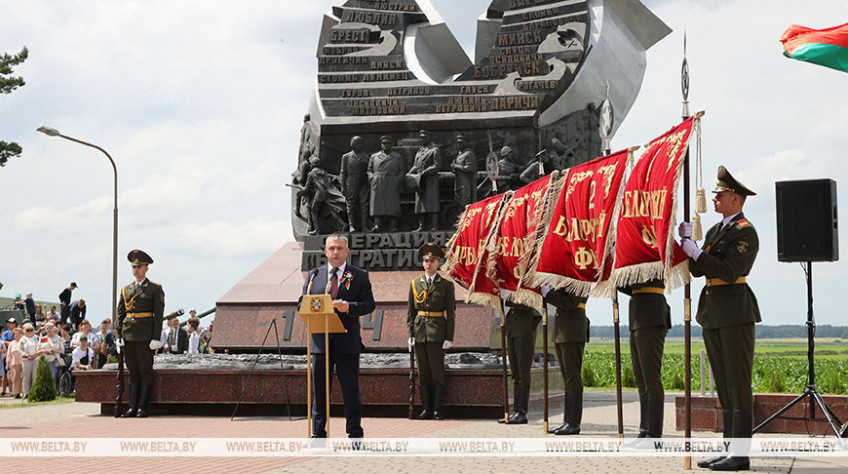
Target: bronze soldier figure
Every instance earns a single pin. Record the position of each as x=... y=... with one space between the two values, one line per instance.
x=354 y=179
x=465 y=169
x=385 y=174
x=430 y=319
x=428 y=161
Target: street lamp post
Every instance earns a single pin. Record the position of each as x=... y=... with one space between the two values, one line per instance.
x=55 y=133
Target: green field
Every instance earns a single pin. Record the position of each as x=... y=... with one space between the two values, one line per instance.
x=780 y=365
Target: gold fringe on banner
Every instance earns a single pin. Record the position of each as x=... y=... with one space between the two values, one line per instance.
x=476 y=296
x=528 y=298
x=543 y=225
x=603 y=288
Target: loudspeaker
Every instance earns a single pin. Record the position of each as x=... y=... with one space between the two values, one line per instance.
x=806 y=221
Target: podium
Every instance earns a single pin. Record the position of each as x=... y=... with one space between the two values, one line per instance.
x=320 y=317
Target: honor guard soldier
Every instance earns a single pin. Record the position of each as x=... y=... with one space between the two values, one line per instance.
x=571 y=333
x=727 y=309
x=520 y=332
x=650 y=320
x=141 y=308
x=430 y=318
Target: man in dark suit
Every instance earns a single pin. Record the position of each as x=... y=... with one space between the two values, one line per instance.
x=78 y=310
x=65 y=300
x=351 y=292
x=728 y=310
x=177 y=340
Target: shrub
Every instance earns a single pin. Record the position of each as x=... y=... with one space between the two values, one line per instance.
x=44 y=389
x=835 y=387
x=678 y=383
x=588 y=375
x=628 y=379
x=777 y=383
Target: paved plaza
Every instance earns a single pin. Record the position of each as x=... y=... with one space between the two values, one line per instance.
x=80 y=421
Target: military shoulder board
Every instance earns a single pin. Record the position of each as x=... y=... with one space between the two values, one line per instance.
x=743 y=223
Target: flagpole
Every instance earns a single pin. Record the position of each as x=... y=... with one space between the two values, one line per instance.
x=687 y=290
x=545 y=361
x=606 y=123
x=503 y=363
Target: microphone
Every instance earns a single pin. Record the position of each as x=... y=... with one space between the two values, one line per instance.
x=312 y=274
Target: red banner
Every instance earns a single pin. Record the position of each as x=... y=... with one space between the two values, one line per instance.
x=645 y=248
x=577 y=236
x=467 y=249
x=513 y=239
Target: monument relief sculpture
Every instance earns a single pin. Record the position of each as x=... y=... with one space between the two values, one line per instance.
x=355 y=187
x=425 y=170
x=391 y=68
x=322 y=198
x=465 y=173
x=385 y=174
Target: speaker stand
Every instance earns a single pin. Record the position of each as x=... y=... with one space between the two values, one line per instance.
x=811 y=390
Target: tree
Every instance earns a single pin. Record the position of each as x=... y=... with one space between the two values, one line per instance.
x=44 y=388
x=9 y=83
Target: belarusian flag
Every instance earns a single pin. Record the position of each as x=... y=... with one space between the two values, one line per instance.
x=827 y=47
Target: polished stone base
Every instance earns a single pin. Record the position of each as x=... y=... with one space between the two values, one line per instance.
x=706 y=413
x=213 y=384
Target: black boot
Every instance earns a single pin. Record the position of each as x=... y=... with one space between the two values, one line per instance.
x=519 y=408
x=643 y=417
x=426 y=412
x=564 y=417
x=741 y=430
x=727 y=417
x=438 y=392
x=519 y=414
x=133 y=410
x=655 y=418
x=573 y=414
x=143 y=393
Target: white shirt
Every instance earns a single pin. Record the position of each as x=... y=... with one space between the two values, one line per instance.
x=194 y=343
x=339 y=274
x=29 y=346
x=52 y=343
x=163 y=338
x=78 y=354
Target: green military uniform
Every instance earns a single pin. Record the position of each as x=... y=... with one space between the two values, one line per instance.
x=141 y=308
x=727 y=308
x=571 y=333
x=728 y=311
x=520 y=332
x=650 y=320
x=431 y=311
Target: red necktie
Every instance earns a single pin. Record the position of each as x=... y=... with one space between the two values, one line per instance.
x=334 y=283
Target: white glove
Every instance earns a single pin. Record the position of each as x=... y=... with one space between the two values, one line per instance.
x=691 y=249
x=447 y=345
x=154 y=344
x=118 y=345
x=410 y=343
x=504 y=294
x=545 y=290
x=685 y=230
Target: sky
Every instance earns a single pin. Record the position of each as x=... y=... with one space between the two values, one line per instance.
x=200 y=103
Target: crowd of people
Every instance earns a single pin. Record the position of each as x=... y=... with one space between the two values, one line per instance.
x=65 y=338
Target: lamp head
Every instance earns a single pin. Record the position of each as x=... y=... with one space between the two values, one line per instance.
x=49 y=131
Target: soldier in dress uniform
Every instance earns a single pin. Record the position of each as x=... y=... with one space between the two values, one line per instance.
x=520 y=331
x=650 y=320
x=141 y=308
x=571 y=333
x=430 y=318
x=727 y=309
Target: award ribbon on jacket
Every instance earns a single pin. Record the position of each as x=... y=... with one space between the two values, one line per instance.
x=577 y=236
x=645 y=248
x=467 y=249
x=513 y=238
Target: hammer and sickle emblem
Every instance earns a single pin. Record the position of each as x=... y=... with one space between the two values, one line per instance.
x=648 y=236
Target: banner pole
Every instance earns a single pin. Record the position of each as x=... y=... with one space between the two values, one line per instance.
x=607 y=119
x=687 y=290
x=545 y=362
x=503 y=365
